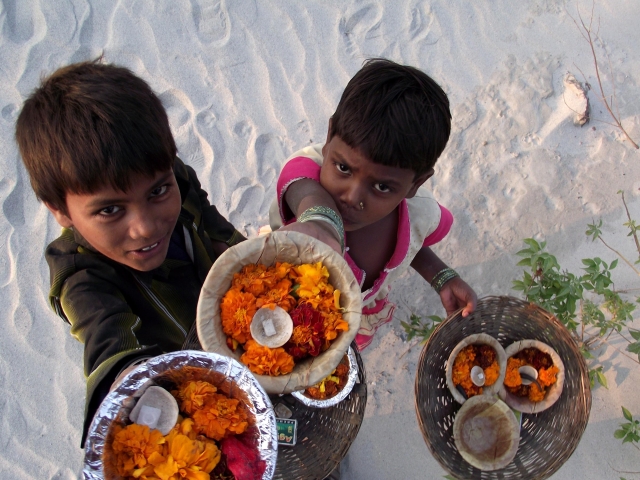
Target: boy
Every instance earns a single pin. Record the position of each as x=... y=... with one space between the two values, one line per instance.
x=360 y=189
x=139 y=235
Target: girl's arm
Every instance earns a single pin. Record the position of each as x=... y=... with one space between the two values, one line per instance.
x=306 y=193
x=455 y=293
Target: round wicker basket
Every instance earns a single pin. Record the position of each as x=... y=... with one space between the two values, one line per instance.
x=547 y=439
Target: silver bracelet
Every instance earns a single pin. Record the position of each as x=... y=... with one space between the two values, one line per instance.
x=327 y=215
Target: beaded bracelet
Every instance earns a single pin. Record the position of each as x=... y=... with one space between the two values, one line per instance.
x=327 y=215
x=442 y=277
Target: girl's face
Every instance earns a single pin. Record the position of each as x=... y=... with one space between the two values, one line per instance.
x=364 y=191
x=133 y=227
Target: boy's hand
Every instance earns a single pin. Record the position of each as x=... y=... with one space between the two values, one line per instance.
x=316 y=229
x=457 y=294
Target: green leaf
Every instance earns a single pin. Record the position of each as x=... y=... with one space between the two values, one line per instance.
x=602 y=380
x=635 y=334
x=613 y=264
x=619 y=434
x=627 y=414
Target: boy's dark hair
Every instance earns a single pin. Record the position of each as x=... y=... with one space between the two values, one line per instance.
x=395 y=115
x=90 y=125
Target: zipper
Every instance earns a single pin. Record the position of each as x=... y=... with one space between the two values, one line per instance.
x=159 y=304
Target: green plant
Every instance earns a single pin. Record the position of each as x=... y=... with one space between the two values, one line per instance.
x=588 y=304
x=417 y=328
x=630 y=431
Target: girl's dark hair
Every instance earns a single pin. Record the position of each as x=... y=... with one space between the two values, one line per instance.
x=90 y=125
x=395 y=115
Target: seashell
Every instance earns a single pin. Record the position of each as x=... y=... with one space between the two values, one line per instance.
x=477 y=376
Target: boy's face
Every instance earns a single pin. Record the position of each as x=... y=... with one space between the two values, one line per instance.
x=133 y=227
x=364 y=191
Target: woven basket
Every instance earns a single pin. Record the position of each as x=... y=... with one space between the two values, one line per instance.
x=547 y=439
x=324 y=434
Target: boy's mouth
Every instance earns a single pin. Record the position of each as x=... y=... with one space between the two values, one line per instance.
x=146 y=249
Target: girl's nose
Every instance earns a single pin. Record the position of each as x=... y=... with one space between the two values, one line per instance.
x=352 y=196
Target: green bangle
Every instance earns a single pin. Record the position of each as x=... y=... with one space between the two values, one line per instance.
x=327 y=215
x=442 y=277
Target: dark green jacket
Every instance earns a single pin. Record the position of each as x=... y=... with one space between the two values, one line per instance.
x=121 y=314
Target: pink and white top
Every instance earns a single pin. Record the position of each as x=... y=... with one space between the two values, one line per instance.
x=422 y=222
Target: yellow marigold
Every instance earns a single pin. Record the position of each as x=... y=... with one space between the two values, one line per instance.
x=547 y=376
x=236 y=311
x=193 y=394
x=133 y=445
x=491 y=374
x=312 y=278
x=184 y=457
x=266 y=361
x=512 y=377
x=219 y=417
x=279 y=295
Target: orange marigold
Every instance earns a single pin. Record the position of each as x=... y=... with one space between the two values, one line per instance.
x=219 y=417
x=279 y=295
x=547 y=376
x=254 y=279
x=133 y=445
x=535 y=394
x=192 y=395
x=312 y=279
x=185 y=457
x=236 y=311
x=491 y=374
x=512 y=377
x=333 y=324
x=266 y=361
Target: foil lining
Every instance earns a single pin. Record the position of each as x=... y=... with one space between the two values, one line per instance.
x=341 y=395
x=225 y=373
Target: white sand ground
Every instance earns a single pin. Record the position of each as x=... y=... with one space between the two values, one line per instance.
x=247 y=82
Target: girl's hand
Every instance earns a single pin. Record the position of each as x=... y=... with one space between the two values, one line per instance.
x=456 y=294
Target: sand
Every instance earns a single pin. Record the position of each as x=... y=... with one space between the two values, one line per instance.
x=247 y=83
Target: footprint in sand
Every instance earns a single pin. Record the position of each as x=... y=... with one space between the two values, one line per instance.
x=212 y=21
x=13 y=204
x=364 y=21
x=19 y=20
x=10 y=112
x=421 y=21
x=271 y=157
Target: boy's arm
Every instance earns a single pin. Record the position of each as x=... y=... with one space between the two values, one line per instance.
x=455 y=293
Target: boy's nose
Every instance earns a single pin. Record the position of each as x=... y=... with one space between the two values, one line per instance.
x=141 y=226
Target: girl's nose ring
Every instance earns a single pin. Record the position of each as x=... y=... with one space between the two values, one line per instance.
x=361 y=206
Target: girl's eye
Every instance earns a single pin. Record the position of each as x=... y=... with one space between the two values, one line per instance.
x=156 y=192
x=381 y=187
x=110 y=210
x=342 y=168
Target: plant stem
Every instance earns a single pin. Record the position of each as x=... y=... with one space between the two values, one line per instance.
x=619 y=255
x=633 y=232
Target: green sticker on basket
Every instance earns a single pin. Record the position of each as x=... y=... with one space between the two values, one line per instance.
x=287 y=429
x=518 y=417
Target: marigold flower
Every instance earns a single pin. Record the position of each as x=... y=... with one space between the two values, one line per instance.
x=512 y=377
x=219 y=417
x=308 y=328
x=253 y=279
x=187 y=458
x=333 y=323
x=535 y=394
x=133 y=445
x=266 y=361
x=491 y=374
x=279 y=296
x=312 y=278
x=236 y=311
x=192 y=395
x=547 y=376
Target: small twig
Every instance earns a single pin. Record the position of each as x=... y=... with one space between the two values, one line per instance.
x=620 y=351
x=586 y=33
x=407 y=350
x=619 y=255
x=633 y=232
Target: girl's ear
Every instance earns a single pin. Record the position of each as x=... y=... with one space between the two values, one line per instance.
x=61 y=217
x=419 y=180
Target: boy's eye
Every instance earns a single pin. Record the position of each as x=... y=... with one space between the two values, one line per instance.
x=110 y=210
x=156 y=192
x=342 y=168
x=381 y=187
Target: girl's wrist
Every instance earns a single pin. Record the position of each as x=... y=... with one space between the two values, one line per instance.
x=442 y=277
